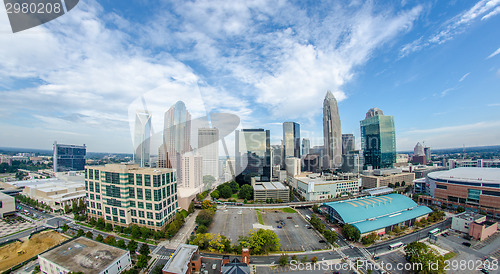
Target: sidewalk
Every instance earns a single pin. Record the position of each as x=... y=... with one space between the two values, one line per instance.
x=183 y=233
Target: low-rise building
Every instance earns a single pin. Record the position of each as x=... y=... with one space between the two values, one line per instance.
x=263 y=191
x=386 y=177
x=473 y=224
x=383 y=190
x=185 y=260
x=313 y=186
x=7 y=205
x=83 y=255
x=482 y=230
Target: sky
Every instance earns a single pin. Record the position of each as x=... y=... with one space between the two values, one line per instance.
x=433 y=65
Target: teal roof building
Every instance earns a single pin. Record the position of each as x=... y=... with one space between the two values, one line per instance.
x=369 y=214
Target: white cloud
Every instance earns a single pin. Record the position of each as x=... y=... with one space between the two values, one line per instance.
x=463 y=77
x=494 y=53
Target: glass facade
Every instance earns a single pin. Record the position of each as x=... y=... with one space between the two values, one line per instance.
x=291 y=139
x=378 y=140
x=253 y=152
x=69 y=157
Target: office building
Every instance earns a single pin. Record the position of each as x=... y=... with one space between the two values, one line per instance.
x=473 y=188
x=348 y=143
x=456 y=163
x=377 y=214
x=306 y=146
x=291 y=139
x=312 y=163
x=352 y=161
x=474 y=225
x=208 y=148
x=176 y=135
x=125 y=194
x=142 y=136
x=387 y=177
x=253 y=152
x=378 y=140
x=278 y=157
x=427 y=152
x=265 y=191
x=191 y=171
x=332 y=136
x=7 y=205
x=293 y=166
x=314 y=186
x=83 y=255
x=68 y=157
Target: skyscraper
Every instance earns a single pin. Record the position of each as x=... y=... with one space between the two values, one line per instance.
x=291 y=139
x=253 y=152
x=142 y=135
x=378 y=139
x=306 y=146
x=208 y=147
x=69 y=157
x=348 y=142
x=331 y=133
x=176 y=135
x=191 y=168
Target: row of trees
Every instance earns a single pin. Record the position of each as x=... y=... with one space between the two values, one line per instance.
x=226 y=191
x=330 y=236
x=435 y=216
x=79 y=207
x=32 y=202
x=283 y=260
x=370 y=238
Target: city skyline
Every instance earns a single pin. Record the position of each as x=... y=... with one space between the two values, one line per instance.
x=433 y=66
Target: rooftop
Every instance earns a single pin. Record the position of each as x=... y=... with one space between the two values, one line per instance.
x=372 y=213
x=84 y=255
x=378 y=190
x=476 y=174
x=179 y=262
x=470 y=216
x=269 y=186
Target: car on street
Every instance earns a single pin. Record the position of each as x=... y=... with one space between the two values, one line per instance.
x=467 y=244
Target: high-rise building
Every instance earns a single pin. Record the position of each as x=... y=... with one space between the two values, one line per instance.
x=126 y=194
x=332 y=137
x=176 y=135
x=208 y=148
x=142 y=135
x=191 y=169
x=291 y=139
x=277 y=156
x=69 y=157
x=253 y=152
x=378 y=139
x=348 y=143
x=427 y=152
x=306 y=146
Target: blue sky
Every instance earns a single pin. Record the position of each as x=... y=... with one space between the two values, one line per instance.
x=434 y=65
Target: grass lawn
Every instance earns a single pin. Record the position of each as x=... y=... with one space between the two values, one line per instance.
x=289 y=210
x=449 y=255
x=234 y=196
x=259 y=216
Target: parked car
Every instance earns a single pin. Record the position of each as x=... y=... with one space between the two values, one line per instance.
x=280 y=226
x=467 y=244
x=289 y=217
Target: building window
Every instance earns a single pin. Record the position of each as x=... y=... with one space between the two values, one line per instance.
x=91 y=196
x=122 y=213
x=157 y=194
x=98 y=197
x=150 y=215
x=97 y=188
x=139 y=194
x=141 y=213
x=108 y=218
x=147 y=194
x=114 y=210
x=138 y=179
x=134 y=220
x=122 y=221
x=108 y=210
x=115 y=219
x=147 y=180
x=133 y=212
x=149 y=206
x=132 y=203
x=131 y=192
x=156 y=180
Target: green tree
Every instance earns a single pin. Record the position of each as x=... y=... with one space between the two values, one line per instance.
x=142 y=261
x=283 y=260
x=158 y=269
x=303 y=259
x=215 y=194
x=261 y=241
x=108 y=227
x=202 y=229
x=135 y=231
x=66 y=209
x=246 y=192
x=294 y=258
x=191 y=208
x=121 y=244
x=144 y=250
x=330 y=236
x=101 y=223
x=315 y=208
x=397 y=184
x=234 y=187
x=80 y=233
x=89 y=235
x=420 y=253
x=350 y=232
x=205 y=217
x=226 y=192
x=110 y=240
x=460 y=209
x=118 y=229
x=132 y=246
x=65 y=228
x=92 y=221
x=99 y=238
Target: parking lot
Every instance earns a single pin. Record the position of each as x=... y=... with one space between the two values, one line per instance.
x=293 y=234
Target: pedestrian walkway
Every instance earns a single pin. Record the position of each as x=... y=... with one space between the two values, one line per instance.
x=183 y=233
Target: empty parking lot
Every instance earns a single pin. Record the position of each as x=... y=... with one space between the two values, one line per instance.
x=293 y=234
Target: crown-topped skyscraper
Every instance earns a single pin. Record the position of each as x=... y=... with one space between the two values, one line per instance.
x=332 y=136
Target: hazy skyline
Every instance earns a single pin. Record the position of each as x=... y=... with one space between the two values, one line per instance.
x=434 y=66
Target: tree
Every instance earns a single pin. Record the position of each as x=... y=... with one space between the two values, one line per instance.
x=99 y=238
x=315 y=208
x=226 y=192
x=206 y=204
x=369 y=239
x=80 y=233
x=132 y=246
x=135 y=231
x=246 y=192
x=110 y=240
x=146 y=232
x=330 y=236
x=121 y=244
x=89 y=235
x=460 y=209
x=142 y=261
x=397 y=184
x=215 y=194
x=350 y=232
x=283 y=260
x=205 y=217
x=303 y=259
x=391 y=185
x=65 y=228
x=108 y=227
x=191 y=208
x=158 y=269
x=261 y=241
x=202 y=229
x=101 y=223
x=234 y=187
x=66 y=208
x=118 y=229
x=314 y=259
x=428 y=258
x=294 y=258
x=403 y=183
x=92 y=221
x=144 y=250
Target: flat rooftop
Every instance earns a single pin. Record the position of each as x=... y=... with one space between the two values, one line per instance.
x=471 y=174
x=179 y=262
x=470 y=216
x=84 y=255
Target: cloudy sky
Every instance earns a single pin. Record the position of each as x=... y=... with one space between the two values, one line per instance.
x=434 y=65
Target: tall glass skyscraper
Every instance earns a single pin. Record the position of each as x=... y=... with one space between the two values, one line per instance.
x=208 y=147
x=253 y=152
x=378 y=139
x=291 y=139
x=306 y=146
x=142 y=135
x=332 y=137
x=176 y=136
x=69 y=157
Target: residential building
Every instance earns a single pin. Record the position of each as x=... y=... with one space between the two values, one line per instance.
x=377 y=214
x=125 y=194
x=332 y=136
x=7 y=205
x=387 y=177
x=314 y=187
x=191 y=171
x=263 y=191
x=6 y=159
x=378 y=140
x=68 y=157
x=473 y=188
x=253 y=153
x=348 y=143
x=83 y=255
x=306 y=146
x=142 y=136
x=291 y=140
x=208 y=148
